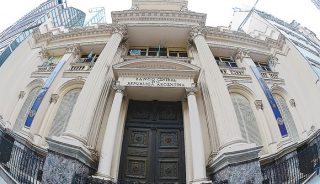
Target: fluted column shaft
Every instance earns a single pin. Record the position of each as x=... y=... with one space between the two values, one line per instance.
x=107 y=149
x=224 y=113
x=198 y=159
x=84 y=109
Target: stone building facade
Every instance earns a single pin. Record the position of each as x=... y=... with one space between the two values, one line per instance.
x=157 y=97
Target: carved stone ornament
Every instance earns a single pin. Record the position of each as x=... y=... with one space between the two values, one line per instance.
x=196 y=31
x=120 y=28
x=21 y=94
x=192 y=90
x=54 y=98
x=259 y=104
x=73 y=49
x=241 y=54
x=292 y=102
x=117 y=87
x=43 y=54
x=272 y=61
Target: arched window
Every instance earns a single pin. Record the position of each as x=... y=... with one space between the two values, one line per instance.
x=63 y=114
x=247 y=121
x=286 y=116
x=26 y=107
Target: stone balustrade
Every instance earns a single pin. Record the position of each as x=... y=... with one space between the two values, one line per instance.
x=270 y=75
x=81 y=66
x=46 y=68
x=233 y=71
x=182 y=59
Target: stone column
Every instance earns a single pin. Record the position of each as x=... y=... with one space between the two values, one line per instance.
x=107 y=149
x=223 y=110
x=198 y=160
x=84 y=109
x=234 y=153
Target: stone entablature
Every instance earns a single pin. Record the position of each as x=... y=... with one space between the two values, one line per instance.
x=77 y=32
x=159 y=17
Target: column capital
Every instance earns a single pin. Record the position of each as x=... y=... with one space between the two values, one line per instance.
x=117 y=87
x=259 y=104
x=192 y=90
x=197 y=31
x=272 y=61
x=74 y=49
x=241 y=53
x=120 y=29
x=54 y=98
x=43 y=53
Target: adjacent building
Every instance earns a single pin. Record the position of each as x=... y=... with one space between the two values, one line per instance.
x=160 y=97
x=55 y=10
x=316 y=3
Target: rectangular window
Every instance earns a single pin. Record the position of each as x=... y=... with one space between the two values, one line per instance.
x=137 y=52
x=262 y=66
x=176 y=52
x=225 y=62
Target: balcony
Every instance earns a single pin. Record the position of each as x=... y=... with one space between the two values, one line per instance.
x=80 y=68
x=271 y=77
x=46 y=68
x=182 y=59
x=234 y=73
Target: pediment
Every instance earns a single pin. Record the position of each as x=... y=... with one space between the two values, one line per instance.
x=156 y=67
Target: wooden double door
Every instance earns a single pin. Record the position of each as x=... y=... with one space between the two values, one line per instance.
x=153 y=146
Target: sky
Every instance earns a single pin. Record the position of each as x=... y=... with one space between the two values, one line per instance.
x=219 y=12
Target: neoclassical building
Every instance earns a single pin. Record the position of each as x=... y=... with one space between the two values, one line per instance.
x=157 y=97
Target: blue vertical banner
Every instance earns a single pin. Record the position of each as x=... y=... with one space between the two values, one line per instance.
x=272 y=102
x=42 y=93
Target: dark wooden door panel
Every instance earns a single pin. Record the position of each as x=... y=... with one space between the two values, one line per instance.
x=153 y=147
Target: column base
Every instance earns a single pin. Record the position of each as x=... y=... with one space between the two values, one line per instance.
x=236 y=164
x=65 y=159
x=201 y=181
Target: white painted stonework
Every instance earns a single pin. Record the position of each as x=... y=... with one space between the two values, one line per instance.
x=213 y=135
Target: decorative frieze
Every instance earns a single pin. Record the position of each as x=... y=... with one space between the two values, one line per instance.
x=164 y=16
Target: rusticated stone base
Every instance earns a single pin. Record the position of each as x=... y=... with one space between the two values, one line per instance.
x=60 y=169
x=242 y=173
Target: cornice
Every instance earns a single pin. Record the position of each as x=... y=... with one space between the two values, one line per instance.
x=76 y=32
x=243 y=38
x=160 y=16
x=213 y=32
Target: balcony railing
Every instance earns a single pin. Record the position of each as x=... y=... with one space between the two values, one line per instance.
x=23 y=164
x=293 y=170
x=270 y=75
x=182 y=59
x=46 y=68
x=235 y=71
x=81 y=66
